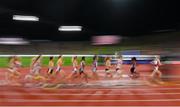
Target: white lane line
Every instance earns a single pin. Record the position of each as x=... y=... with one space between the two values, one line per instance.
x=99 y=89
x=90 y=106
x=81 y=94
x=58 y=90
x=88 y=101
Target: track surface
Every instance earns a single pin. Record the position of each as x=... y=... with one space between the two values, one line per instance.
x=102 y=92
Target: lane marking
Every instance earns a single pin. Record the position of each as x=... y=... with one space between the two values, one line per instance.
x=82 y=94
x=88 y=101
x=88 y=89
x=124 y=88
x=90 y=106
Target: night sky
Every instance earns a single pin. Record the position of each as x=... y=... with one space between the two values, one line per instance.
x=98 y=17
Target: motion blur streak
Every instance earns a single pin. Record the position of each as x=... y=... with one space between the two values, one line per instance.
x=105 y=40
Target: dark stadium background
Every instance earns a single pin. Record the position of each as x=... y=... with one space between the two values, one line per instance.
x=142 y=25
x=98 y=17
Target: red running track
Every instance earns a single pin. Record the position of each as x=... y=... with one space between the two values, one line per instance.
x=141 y=92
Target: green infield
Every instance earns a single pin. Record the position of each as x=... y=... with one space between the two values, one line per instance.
x=27 y=60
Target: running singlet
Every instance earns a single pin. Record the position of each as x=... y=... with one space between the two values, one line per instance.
x=16 y=64
x=59 y=62
x=119 y=63
x=75 y=65
x=157 y=63
x=133 y=67
x=82 y=66
x=36 y=67
x=51 y=64
x=95 y=64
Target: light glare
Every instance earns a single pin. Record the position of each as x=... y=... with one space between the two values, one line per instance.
x=70 y=28
x=13 y=41
x=25 y=18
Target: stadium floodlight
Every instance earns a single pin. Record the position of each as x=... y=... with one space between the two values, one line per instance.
x=25 y=18
x=70 y=28
x=13 y=41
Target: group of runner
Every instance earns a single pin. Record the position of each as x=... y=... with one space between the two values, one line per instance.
x=78 y=68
